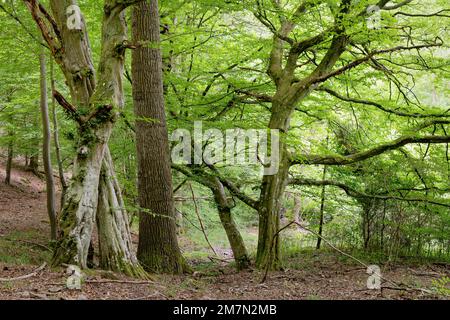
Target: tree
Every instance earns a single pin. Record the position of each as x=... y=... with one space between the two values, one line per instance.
x=62 y=177
x=158 y=247
x=94 y=193
x=293 y=87
x=224 y=207
x=46 y=146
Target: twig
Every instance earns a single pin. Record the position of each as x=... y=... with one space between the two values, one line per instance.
x=35 y=272
x=200 y=220
x=152 y=296
x=119 y=281
x=426 y=274
x=266 y=272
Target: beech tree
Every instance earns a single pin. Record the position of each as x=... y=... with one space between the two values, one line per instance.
x=96 y=99
x=295 y=80
x=367 y=74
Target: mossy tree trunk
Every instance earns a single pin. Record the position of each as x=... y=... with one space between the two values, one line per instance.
x=273 y=187
x=234 y=236
x=115 y=245
x=290 y=92
x=93 y=188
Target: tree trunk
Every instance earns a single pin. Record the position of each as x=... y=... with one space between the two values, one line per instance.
x=234 y=236
x=297 y=210
x=9 y=160
x=79 y=210
x=115 y=244
x=273 y=186
x=322 y=207
x=80 y=206
x=158 y=248
x=46 y=155
x=33 y=165
x=366 y=222
x=62 y=178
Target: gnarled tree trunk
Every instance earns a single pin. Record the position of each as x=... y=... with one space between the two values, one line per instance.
x=115 y=245
x=94 y=108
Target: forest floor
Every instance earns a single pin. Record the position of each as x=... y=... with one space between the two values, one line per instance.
x=309 y=275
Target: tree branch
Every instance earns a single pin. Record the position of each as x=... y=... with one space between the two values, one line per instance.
x=360 y=156
x=446 y=114
x=68 y=107
x=357 y=194
x=38 y=13
x=354 y=64
x=436 y=14
x=396 y=6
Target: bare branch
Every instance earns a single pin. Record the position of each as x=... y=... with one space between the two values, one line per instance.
x=436 y=14
x=360 y=61
x=68 y=107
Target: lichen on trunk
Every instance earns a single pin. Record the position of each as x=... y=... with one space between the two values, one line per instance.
x=95 y=108
x=115 y=245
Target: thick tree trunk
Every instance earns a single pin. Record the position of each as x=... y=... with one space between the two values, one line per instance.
x=158 y=249
x=46 y=155
x=79 y=210
x=115 y=245
x=273 y=186
x=234 y=236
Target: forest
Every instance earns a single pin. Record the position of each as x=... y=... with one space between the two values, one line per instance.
x=224 y=150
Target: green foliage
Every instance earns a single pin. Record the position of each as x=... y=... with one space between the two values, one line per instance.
x=216 y=55
x=442 y=286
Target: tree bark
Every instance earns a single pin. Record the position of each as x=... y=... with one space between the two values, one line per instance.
x=234 y=236
x=46 y=155
x=273 y=186
x=322 y=208
x=115 y=244
x=158 y=248
x=62 y=178
x=9 y=160
x=71 y=50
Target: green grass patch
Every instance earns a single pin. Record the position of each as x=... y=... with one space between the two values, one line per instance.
x=18 y=249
